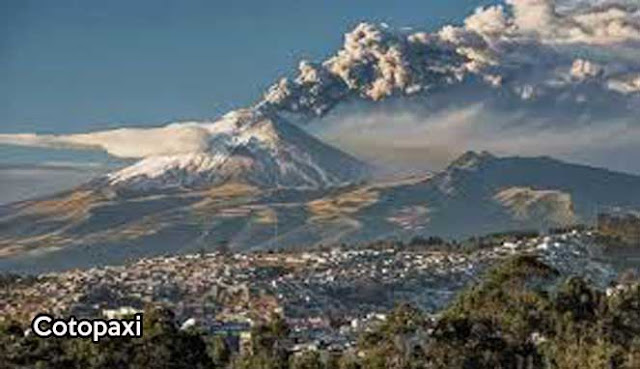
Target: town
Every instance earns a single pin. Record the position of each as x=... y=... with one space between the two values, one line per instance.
x=328 y=296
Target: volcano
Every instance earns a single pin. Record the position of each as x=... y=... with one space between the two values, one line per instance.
x=265 y=192
x=245 y=146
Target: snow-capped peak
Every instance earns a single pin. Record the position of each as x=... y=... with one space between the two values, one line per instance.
x=249 y=146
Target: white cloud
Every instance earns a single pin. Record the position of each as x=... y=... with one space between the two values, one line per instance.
x=573 y=58
x=490 y=21
x=497 y=44
x=533 y=15
x=125 y=142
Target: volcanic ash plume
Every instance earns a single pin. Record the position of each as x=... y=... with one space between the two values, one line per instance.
x=496 y=46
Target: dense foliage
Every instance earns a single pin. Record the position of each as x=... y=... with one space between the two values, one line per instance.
x=521 y=315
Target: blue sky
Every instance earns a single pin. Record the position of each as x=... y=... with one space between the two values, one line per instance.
x=71 y=66
x=86 y=65
x=82 y=65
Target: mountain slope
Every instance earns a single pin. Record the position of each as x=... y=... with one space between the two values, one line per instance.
x=589 y=188
x=245 y=146
x=478 y=193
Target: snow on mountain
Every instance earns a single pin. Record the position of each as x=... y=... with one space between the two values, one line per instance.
x=531 y=65
x=478 y=193
x=246 y=146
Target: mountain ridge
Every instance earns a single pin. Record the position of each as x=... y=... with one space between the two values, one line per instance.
x=478 y=193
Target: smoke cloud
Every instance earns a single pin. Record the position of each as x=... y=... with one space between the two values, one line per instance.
x=430 y=140
x=531 y=45
x=528 y=77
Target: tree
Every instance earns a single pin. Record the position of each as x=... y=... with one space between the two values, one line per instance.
x=219 y=351
x=394 y=343
x=268 y=343
x=306 y=360
x=163 y=345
